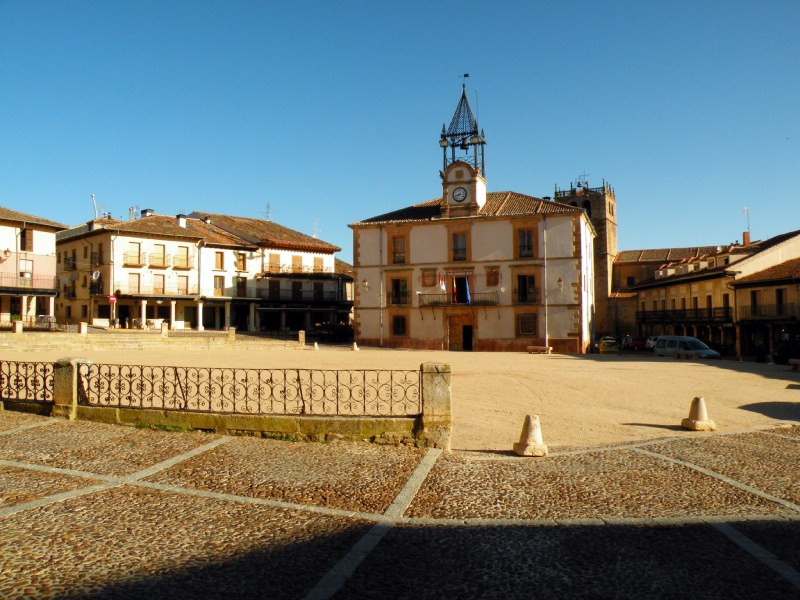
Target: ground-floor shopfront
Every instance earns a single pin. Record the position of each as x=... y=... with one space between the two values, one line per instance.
x=25 y=305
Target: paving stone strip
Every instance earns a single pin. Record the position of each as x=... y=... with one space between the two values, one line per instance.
x=110 y=483
x=31 y=426
x=780 y=435
x=762 y=554
x=334 y=579
x=721 y=477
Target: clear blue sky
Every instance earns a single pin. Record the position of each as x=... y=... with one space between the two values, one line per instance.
x=331 y=111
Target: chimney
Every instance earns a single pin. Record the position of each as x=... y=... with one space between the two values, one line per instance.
x=207 y=220
x=745 y=238
x=181 y=220
x=146 y=212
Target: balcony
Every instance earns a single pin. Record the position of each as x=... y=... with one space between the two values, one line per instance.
x=97 y=258
x=7 y=280
x=282 y=269
x=70 y=264
x=158 y=261
x=133 y=259
x=722 y=314
x=159 y=290
x=312 y=296
x=182 y=262
x=775 y=312
x=398 y=299
x=477 y=299
x=529 y=296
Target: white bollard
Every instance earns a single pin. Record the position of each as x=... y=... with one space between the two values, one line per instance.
x=530 y=440
x=355 y=347
x=698 y=417
x=316 y=346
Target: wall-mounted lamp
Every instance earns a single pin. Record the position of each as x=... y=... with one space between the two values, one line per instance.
x=6 y=254
x=365 y=284
x=560 y=283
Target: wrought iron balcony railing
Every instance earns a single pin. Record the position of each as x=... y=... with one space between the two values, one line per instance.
x=769 y=311
x=133 y=259
x=275 y=269
x=159 y=260
x=445 y=299
x=70 y=264
x=182 y=262
x=398 y=299
x=722 y=314
x=299 y=296
x=8 y=280
x=157 y=290
x=526 y=296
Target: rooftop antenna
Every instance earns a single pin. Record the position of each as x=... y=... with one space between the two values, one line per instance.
x=315 y=228
x=94 y=204
x=267 y=211
x=746 y=211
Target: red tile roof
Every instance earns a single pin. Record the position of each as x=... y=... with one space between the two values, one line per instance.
x=268 y=233
x=664 y=255
x=789 y=269
x=6 y=214
x=497 y=204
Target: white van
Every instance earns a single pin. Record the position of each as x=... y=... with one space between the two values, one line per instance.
x=683 y=346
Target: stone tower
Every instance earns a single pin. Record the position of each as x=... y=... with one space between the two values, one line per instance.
x=600 y=205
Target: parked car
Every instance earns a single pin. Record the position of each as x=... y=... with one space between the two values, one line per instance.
x=783 y=351
x=683 y=346
x=636 y=343
x=651 y=342
x=608 y=345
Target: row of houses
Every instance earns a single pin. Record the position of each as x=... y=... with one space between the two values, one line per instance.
x=198 y=271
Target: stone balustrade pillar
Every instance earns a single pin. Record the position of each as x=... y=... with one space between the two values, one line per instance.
x=437 y=421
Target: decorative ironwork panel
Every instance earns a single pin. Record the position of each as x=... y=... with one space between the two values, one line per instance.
x=252 y=391
x=26 y=381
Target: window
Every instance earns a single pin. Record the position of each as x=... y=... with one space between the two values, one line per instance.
x=459 y=246
x=663 y=304
x=132 y=256
x=219 y=261
x=459 y=295
x=525 y=243
x=399 y=325
x=428 y=277
x=297 y=263
x=655 y=304
x=297 y=290
x=69 y=312
x=398 y=250
x=84 y=311
x=694 y=303
x=398 y=291
x=526 y=289
x=492 y=276
x=241 y=261
x=26 y=240
x=183 y=284
x=708 y=303
x=241 y=286
x=26 y=269
x=527 y=325
x=318 y=267
x=631 y=281
x=673 y=304
x=274 y=289
x=181 y=260
x=219 y=284
x=100 y=258
x=133 y=283
x=683 y=303
x=319 y=294
x=780 y=294
x=274 y=262
x=58 y=257
x=755 y=301
x=159 y=255
x=158 y=284
x=86 y=252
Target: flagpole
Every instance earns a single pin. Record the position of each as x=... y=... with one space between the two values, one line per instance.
x=544 y=283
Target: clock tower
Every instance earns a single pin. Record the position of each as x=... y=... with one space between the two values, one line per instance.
x=464 y=169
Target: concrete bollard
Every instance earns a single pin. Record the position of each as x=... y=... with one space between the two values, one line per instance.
x=83 y=328
x=355 y=347
x=530 y=440
x=316 y=346
x=164 y=329
x=16 y=326
x=698 y=417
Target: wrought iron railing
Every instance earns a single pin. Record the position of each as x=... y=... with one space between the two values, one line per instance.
x=273 y=269
x=769 y=311
x=721 y=314
x=40 y=283
x=526 y=296
x=444 y=299
x=134 y=259
x=26 y=381
x=298 y=295
x=159 y=260
x=156 y=290
x=252 y=391
x=182 y=262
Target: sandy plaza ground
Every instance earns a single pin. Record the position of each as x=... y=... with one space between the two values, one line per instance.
x=582 y=400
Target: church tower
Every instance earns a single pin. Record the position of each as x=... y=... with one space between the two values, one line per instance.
x=463 y=166
x=600 y=205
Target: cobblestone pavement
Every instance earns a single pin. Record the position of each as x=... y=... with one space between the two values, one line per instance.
x=94 y=510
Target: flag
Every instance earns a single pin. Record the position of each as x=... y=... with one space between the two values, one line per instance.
x=469 y=298
x=455 y=293
x=442 y=283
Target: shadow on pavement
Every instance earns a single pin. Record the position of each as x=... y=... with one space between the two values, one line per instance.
x=656 y=426
x=785 y=411
x=504 y=562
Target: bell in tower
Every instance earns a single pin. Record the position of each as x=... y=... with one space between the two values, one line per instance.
x=464 y=141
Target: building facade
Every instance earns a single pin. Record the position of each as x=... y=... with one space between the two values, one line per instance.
x=27 y=266
x=475 y=270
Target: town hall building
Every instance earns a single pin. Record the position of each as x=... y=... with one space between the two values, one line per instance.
x=474 y=269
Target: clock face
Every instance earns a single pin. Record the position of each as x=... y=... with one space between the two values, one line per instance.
x=459 y=194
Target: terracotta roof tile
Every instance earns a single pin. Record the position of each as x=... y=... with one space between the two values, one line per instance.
x=497 y=204
x=268 y=233
x=343 y=268
x=14 y=215
x=785 y=270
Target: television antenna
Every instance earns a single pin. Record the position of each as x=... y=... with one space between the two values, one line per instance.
x=94 y=205
x=746 y=211
x=267 y=212
x=315 y=228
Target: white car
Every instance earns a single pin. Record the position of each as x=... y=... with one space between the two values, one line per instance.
x=651 y=342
